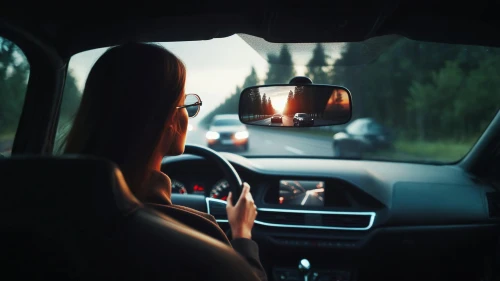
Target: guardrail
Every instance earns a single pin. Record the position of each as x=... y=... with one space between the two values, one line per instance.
x=248 y=118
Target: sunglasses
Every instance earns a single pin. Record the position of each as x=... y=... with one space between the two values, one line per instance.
x=192 y=103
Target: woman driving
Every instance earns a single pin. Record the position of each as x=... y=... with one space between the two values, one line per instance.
x=134 y=111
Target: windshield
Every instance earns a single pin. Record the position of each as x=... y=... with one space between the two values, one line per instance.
x=415 y=101
x=227 y=122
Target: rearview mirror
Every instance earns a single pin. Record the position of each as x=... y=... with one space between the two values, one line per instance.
x=288 y=105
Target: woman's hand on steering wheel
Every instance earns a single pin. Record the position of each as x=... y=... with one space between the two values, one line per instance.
x=242 y=215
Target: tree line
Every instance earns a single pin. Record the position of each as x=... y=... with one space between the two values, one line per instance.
x=424 y=90
x=421 y=90
x=255 y=106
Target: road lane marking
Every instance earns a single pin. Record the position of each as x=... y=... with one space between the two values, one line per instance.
x=305 y=199
x=311 y=191
x=294 y=150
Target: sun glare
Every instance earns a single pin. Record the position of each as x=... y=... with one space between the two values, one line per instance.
x=279 y=103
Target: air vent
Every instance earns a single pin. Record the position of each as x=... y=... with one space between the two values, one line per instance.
x=346 y=220
x=300 y=218
x=315 y=219
x=281 y=218
x=323 y=220
x=493 y=204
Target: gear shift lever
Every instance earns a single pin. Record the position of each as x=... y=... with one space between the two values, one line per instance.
x=305 y=269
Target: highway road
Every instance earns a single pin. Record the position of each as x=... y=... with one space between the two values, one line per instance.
x=263 y=141
x=287 y=122
x=308 y=198
x=275 y=141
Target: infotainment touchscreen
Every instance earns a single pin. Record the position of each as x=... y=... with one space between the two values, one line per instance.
x=302 y=193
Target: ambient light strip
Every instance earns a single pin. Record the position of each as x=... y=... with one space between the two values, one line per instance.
x=371 y=214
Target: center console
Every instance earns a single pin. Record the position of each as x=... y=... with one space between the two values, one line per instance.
x=324 y=219
x=327 y=216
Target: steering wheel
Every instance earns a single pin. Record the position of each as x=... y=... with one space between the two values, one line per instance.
x=230 y=174
x=198 y=202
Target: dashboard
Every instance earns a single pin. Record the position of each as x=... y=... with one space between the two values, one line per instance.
x=351 y=211
x=403 y=193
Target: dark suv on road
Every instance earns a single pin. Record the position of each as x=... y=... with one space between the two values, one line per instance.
x=302 y=119
x=361 y=136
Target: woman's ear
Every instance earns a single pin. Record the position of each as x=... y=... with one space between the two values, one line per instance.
x=169 y=134
x=165 y=139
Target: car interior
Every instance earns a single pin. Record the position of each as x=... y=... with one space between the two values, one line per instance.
x=74 y=217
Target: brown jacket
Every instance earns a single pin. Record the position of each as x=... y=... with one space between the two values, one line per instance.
x=160 y=188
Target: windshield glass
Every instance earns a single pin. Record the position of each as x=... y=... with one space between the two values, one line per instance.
x=357 y=126
x=226 y=122
x=412 y=101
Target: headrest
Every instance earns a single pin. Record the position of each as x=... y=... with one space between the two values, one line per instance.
x=81 y=189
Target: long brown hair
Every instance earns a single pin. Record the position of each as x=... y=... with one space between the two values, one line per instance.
x=130 y=94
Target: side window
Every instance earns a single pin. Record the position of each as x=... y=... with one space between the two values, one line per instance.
x=14 y=75
x=69 y=105
x=78 y=69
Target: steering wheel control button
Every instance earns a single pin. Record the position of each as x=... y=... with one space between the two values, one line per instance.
x=217 y=208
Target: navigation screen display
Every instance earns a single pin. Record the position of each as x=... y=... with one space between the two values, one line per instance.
x=302 y=193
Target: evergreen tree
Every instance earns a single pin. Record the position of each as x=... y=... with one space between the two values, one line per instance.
x=270 y=109
x=264 y=104
x=318 y=69
x=281 y=68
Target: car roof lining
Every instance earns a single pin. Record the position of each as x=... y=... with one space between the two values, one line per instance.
x=278 y=21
